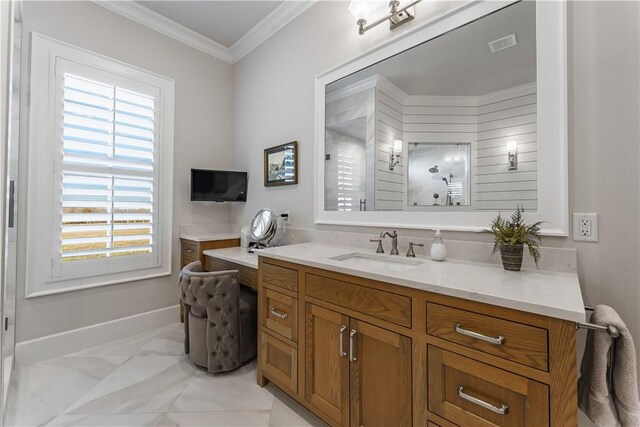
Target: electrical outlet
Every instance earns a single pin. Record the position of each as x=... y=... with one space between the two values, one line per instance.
x=287 y=218
x=585 y=227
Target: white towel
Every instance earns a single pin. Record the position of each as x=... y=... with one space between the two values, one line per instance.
x=603 y=406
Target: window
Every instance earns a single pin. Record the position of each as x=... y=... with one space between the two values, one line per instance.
x=99 y=197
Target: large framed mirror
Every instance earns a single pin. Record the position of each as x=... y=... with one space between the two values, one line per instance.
x=450 y=124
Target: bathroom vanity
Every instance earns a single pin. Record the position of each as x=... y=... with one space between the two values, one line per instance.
x=363 y=339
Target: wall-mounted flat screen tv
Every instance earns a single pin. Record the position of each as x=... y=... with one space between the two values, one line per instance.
x=218 y=186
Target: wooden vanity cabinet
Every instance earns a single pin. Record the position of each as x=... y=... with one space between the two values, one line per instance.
x=380 y=377
x=357 y=352
x=356 y=373
x=191 y=250
x=326 y=362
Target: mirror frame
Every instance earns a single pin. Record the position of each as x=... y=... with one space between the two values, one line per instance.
x=551 y=69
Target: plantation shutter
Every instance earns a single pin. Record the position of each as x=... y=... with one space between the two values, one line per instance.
x=108 y=171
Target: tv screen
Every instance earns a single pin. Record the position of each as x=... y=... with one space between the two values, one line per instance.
x=218 y=186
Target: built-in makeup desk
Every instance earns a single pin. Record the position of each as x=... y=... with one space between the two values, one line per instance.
x=236 y=258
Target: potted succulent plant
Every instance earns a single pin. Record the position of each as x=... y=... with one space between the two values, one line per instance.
x=511 y=236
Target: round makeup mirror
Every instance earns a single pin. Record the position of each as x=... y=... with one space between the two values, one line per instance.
x=263 y=227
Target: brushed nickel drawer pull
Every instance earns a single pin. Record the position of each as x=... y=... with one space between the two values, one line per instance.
x=502 y=410
x=497 y=340
x=278 y=314
x=341 y=338
x=352 y=352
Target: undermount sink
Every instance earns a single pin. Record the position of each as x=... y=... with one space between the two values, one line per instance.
x=378 y=262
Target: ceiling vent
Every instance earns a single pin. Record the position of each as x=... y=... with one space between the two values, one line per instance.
x=503 y=43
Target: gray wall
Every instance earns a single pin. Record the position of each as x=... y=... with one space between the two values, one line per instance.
x=203 y=99
x=274 y=92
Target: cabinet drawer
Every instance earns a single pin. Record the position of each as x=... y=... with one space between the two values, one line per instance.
x=383 y=305
x=190 y=251
x=281 y=314
x=470 y=393
x=280 y=276
x=520 y=343
x=279 y=363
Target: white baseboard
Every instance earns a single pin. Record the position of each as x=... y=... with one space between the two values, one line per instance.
x=63 y=343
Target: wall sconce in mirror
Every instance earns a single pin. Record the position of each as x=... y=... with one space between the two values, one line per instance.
x=395 y=153
x=512 y=153
x=365 y=10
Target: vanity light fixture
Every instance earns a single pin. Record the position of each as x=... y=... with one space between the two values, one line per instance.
x=512 y=155
x=364 y=9
x=395 y=153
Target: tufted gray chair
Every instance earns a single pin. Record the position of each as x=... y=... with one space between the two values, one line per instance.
x=220 y=321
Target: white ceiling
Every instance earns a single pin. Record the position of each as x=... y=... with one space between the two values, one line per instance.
x=224 y=22
x=460 y=62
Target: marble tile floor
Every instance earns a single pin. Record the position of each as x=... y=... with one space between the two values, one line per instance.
x=145 y=380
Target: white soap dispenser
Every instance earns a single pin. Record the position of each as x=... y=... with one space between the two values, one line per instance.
x=438 y=249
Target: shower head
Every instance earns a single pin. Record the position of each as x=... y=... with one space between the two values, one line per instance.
x=445 y=181
x=434 y=169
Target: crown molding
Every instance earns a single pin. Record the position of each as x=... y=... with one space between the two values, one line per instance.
x=166 y=26
x=270 y=24
x=261 y=32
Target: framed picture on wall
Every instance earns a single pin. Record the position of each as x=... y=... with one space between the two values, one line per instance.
x=281 y=165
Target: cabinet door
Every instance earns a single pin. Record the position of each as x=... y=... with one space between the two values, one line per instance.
x=380 y=376
x=327 y=365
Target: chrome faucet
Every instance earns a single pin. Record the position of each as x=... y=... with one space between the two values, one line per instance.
x=410 y=252
x=394 y=241
x=380 y=249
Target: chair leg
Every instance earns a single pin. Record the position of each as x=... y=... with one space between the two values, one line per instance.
x=187 y=310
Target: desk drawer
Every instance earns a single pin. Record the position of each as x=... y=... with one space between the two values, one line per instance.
x=190 y=251
x=470 y=393
x=279 y=363
x=283 y=277
x=247 y=276
x=281 y=314
x=384 y=305
x=521 y=343
x=213 y=264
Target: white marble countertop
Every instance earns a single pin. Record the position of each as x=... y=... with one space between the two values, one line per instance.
x=236 y=254
x=209 y=236
x=547 y=293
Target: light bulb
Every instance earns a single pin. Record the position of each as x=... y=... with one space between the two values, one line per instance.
x=365 y=9
x=397 y=146
x=512 y=146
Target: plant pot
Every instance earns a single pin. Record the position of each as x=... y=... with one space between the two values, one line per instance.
x=512 y=256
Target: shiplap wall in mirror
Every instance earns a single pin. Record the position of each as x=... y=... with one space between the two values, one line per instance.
x=453 y=91
x=384 y=123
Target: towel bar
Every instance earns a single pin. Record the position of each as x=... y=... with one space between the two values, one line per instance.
x=611 y=330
